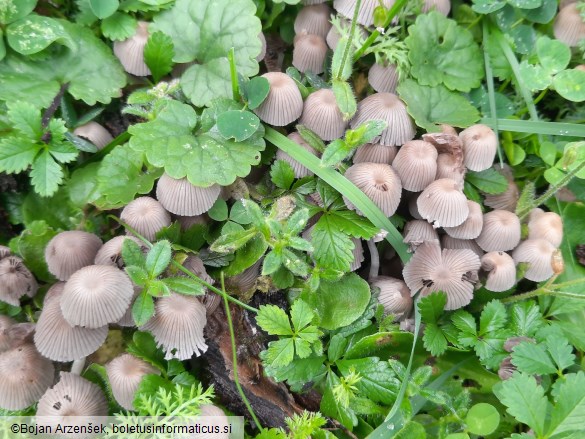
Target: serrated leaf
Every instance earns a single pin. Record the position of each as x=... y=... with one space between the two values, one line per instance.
x=466 y=324
x=493 y=317
x=525 y=318
x=345 y=98
x=532 y=358
x=378 y=382
x=34 y=33
x=158 y=258
x=137 y=274
x=431 y=307
x=158 y=54
x=103 y=8
x=331 y=407
x=257 y=90
x=488 y=181
x=25 y=118
x=237 y=124
x=282 y=174
x=46 y=174
x=336 y=151
x=301 y=314
x=142 y=309
x=434 y=339
x=560 y=351
x=132 y=254
x=568 y=415
x=17 y=154
x=333 y=247
x=118 y=26
x=280 y=353
x=184 y=285
x=273 y=320
x=11 y=10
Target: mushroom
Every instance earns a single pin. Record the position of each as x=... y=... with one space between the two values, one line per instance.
x=450 y=271
x=394 y=296
x=313 y=20
x=547 y=226
x=5 y=340
x=309 y=53
x=500 y=232
x=366 y=12
x=501 y=271
x=416 y=164
x=442 y=6
x=418 y=231
x=95 y=133
x=56 y=339
x=506 y=369
x=480 y=145
x=538 y=254
x=111 y=252
x=180 y=197
x=299 y=170
x=508 y=199
x=24 y=376
x=96 y=295
x=448 y=167
x=262 y=53
x=210 y=300
x=130 y=52
x=241 y=283
x=284 y=103
x=383 y=78
x=4 y=251
x=186 y=222
x=357 y=253
x=461 y=244
x=69 y=251
x=127 y=319
x=177 y=326
x=512 y=342
x=569 y=26
x=375 y=153
x=412 y=205
x=147 y=216
x=389 y=108
x=379 y=182
x=322 y=116
x=443 y=204
x=472 y=226
x=125 y=373
x=333 y=36
x=15 y=281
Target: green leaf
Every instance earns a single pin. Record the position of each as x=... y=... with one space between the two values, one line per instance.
x=342 y=73
x=434 y=339
x=237 y=124
x=204 y=158
x=219 y=210
x=137 y=274
x=273 y=320
x=488 y=181
x=488 y=6
x=46 y=174
x=257 y=90
x=119 y=26
x=466 y=324
x=330 y=406
x=230 y=242
x=514 y=152
x=431 y=307
x=103 y=8
x=365 y=133
x=524 y=400
x=339 y=303
x=132 y=254
x=2 y=45
x=17 y=154
x=573 y=157
x=433 y=106
x=568 y=415
x=158 y=54
x=534 y=77
x=301 y=314
x=560 y=351
x=482 y=419
x=333 y=247
x=12 y=10
x=272 y=262
x=335 y=152
x=280 y=353
x=553 y=55
x=205 y=32
x=525 y=318
x=336 y=348
x=158 y=258
x=532 y=358
x=31 y=247
x=34 y=33
x=442 y=52
x=184 y=285
x=300 y=371
x=282 y=174
x=345 y=98
x=493 y=317
x=378 y=383
x=570 y=84
x=143 y=308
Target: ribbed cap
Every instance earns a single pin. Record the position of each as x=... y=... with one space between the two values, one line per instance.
x=186 y=222
x=472 y=226
x=508 y=199
x=383 y=78
x=443 y=203
x=389 y=108
x=96 y=295
x=130 y=52
x=180 y=197
x=283 y=104
x=313 y=20
x=5 y=323
x=16 y=281
x=127 y=319
x=375 y=153
x=480 y=145
x=4 y=251
x=394 y=295
x=242 y=283
x=111 y=252
x=418 y=231
x=125 y=373
x=146 y=215
x=299 y=170
x=69 y=251
x=547 y=226
x=333 y=36
x=358 y=254
x=442 y=6
x=538 y=254
x=416 y=164
x=461 y=244
x=379 y=182
x=447 y=167
x=309 y=53
x=501 y=271
x=569 y=26
x=412 y=204
x=95 y=133
x=366 y=12
x=322 y=116
x=500 y=232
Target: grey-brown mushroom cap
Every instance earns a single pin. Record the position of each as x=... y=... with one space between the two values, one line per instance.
x=299 y=170
x=447 y=167
x=73 y=396
x=180 y=197
x=357 y=253
x=383 y=78
x=480 y=145
x=472 y=226
x=443 y=203
x=16 y=280
x=177 y=326
x=4 y=251
x=547 y=226
x=96 y=295
x=450 y=271
x=69 y=251
x=500 y=232
x=538 y=254
x=146 y=215
x=461 y=244
x=309 y=53
x=506 y=200
x=366 y=12
x=284 y=103
x=418 y=231
x=111 y=252
x=321 y=115
x=375 y=153
x=58 y=340
x=125 y=372
x=379 y=182
x=313 y=19
x=394 y=295
x=501 y=271
x=95 y=133
x=24 y=376
x=130 y=51
x=569 y=26
x=5 y=323
x=442 y=6
x=242 y=283
x=416 y=164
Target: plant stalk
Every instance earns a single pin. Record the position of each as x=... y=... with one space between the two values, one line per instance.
x=374 y=260
x=491 y=92
x=234 y=75
x=350 y=40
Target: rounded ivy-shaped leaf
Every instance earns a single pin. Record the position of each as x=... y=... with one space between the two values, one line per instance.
x=257 y=90
x=12 y=10
x=441 y=51
x=482 y=419
x=570 y=84
x=35 y=32
x=237 y=124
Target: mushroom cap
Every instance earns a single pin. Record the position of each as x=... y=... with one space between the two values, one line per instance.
x=4 y=251
x=538 y=253
x=416 y=164
x=56 y=339
x=548 y=226
x=186 y=222
x=512 y=342
x=284 y=103
x=506 y=200
x=313 y=20
x=130 y=52
x=125 y=373
x=242 y=283
x=442 y=6
x=73 y=396
x=569 y=26
x=450 y=271
x=146 y=215
x=299 y=170
x=24 y=376
x=507 y=369
x=472 y=226
x=383 y=79
x=69 y=251
x=418 y=231
x=394 y=295
x=180 y=197
x=389 y=108
x=313 y=2
x=177 y=326
x=96 y=295
x=375 y=153
x=195 y=264
x=480 y=145
x=461 y=244
x=111 y=252
x=412 y=204
x=379 y=182
x=447 y=167
x=262 y=53
x=358 y=254
x=443 y=203
x=333 y=36
x=95 y=133
x=500 y=232
x=5 y=323
x=322 y=116
x=501 y=271
x=309 y=53
x=366 y=12
x=17 y=281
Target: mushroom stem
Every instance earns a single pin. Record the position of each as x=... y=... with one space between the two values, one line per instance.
x=77 y=366
x=374 y=260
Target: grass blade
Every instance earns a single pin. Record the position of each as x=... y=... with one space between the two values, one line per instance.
x=537 y=127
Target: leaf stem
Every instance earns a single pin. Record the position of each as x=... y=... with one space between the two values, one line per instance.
x=542 y=292
x=49 y=112
x=491 y=92
x=234 y=75
x=235 y=356
x=350 y=40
